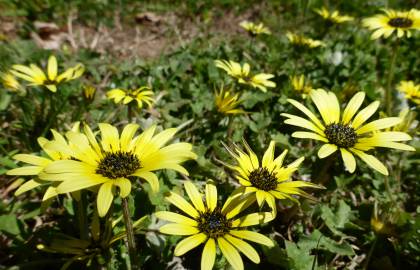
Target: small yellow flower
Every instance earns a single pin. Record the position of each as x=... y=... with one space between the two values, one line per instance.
x=301 y=85
x=410 y=90
x=140 y=95
x=9 y=82
x=302 y=41
x=347 y=132
x=401 y=22
x=36 y=76
x=255 y=29
x=89 y=93
x=268 y=180
x=242 y=74
x=227 y=102
x=407 y=118
x=215 y=225
x=333 y=17
x=115 y=161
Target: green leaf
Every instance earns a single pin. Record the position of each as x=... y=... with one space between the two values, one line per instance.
x=299 y=259
x=9 y=224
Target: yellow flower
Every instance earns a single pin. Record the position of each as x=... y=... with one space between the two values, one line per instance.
x=255 y=29
x=89 y=92
x=39 y=163
x=9 y=82
x=349 y=134
x=242 y=74
x=300 y=85
x=402 y=22
x=115 y=161
x=142 y=94
x=36 y=76
x=302 y=41
x=227 y=102
x=334 y=16
x=268 y=180
x=407 y=118
x=410 y=90
x=215 y=225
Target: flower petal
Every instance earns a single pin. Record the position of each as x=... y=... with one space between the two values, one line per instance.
x=253 y=236
x=105 y=198
x=209 y=255
x=189 y=243
x=371 y=161
x=178 y=229
x=182 y=204
x=177 y=218
x=326 y=150
x=231 y=254
x=195 y=196
x=244 y=247
x=349 y=161
x=211 y=196
x=253 y=219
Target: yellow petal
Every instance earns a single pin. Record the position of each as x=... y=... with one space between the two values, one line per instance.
x=253 y=219
x=349 y=161
x=52 y=67
x=27 y=170
x=326 y=150
x=371 y=161
x=244 y=247
x=105 y=198
x=365 y=114
x=379 y=124
x=268 y=155
x=231 y=254
x=182 y=204
x=177 y=218
x=253 y=236
x=195 y=196
x=178 y=229
x=124 y=186
x=189 y=243
x=151 y=178
x=209 y=255
x=211 y=196
x=31 y=184
x=352 y=107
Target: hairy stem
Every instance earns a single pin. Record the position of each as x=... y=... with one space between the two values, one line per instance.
x=131 y=244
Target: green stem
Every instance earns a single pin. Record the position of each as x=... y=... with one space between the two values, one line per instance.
x=131 y=244
x=388 y=90
x=372 y=248
x=130 y=113
x=82 y=216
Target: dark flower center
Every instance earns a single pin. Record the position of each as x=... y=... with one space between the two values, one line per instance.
x=118 y=164
x=343 y=136
x=214 y=224
x=400 y=22
x=262 y=178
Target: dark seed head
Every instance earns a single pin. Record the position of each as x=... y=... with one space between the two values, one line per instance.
x=262 y=178
x=343 y=136
x=118 y=164
x=214 y=224
x=400 y=22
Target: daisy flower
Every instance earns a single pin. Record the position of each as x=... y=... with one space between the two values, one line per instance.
x=333 y=17
x=242 y=74
x=36 y=76
x=401 y=22
x=115 y=161
x=302 y=41
x=39 y=163
x=140 y=95
x=269 y=179
x=9 y=82
x=347 y=132
x=208 y=222
x=301 y=85
x=410 y=90
x=227 y=102
x=255 y=29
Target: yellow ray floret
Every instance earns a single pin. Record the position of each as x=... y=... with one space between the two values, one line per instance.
x=410 y=90
x=269 y=179
x=204 y=221
x=227 y=102
x=36 y=76
x=400 y=22
x=302 y=41
x=242 y=74
x=333 y=16
x=301 y=85
x=141 y=95
x=255 y=29
x=9 y=82
x=347 y=132
x=115 y=160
